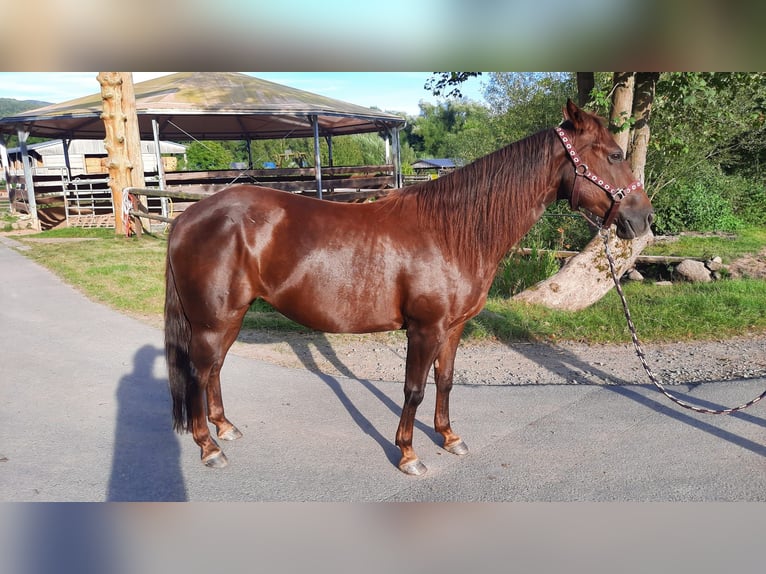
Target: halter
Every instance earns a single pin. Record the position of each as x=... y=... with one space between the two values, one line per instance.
x=617 y=194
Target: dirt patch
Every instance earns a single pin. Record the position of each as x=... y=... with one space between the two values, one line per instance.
x=752 y=266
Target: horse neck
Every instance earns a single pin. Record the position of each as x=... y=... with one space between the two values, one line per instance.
x=485 y=208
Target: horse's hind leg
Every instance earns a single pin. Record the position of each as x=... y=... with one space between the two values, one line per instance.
x=215 y=412
x=444 y=368
x=208 y=350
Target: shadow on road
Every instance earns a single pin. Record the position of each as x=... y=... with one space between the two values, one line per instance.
x=146 y=460
x=302 y=349
x=560 y=360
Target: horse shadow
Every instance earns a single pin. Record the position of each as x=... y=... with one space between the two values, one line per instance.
x=302 y=347
x=146 y=461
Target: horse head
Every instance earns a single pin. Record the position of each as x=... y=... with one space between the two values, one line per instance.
x=596 y=176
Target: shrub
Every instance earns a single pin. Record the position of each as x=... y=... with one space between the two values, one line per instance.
x=518 y=272
x=695 y=206
x=748 y=200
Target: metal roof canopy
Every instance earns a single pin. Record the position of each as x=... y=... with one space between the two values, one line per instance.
x=209 y=106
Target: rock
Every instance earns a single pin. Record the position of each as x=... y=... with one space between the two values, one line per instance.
x=694 y=271
x=714 y=264
x=664 y=283
x=635 y=275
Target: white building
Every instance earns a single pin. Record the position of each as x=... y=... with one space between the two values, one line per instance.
x=88 y=157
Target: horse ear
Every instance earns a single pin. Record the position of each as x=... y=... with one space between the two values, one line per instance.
x=573 y=113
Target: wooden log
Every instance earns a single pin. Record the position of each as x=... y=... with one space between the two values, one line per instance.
x=154 y=216
x=586 y=278
x=667 y=259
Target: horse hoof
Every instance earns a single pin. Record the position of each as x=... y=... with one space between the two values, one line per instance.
x=458 y=448
x=413 y=468
x=231 y=434
x=216 y=460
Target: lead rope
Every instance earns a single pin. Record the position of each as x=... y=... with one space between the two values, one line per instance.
x=640 y=351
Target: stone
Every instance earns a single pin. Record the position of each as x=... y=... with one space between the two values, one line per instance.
x=694 y=271
x=714 y=264
x=635 y=275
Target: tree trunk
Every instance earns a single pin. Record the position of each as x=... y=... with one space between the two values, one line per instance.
x=586 y=81
x=622 y=107
x=585 y=278
x=122 y=141
x=642 y=107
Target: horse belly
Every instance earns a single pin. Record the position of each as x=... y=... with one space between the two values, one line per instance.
x=326 y=311
x=335 y=294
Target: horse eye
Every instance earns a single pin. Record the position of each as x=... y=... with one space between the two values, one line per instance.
x=616 y=157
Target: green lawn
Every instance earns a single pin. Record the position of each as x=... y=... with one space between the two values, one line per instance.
x=128 y=274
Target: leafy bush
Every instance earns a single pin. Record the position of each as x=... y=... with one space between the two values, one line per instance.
x=559 y=228
x=517 y=272
x=748 y=200
x=695 y=206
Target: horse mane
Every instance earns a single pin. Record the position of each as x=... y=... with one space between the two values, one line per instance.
x=485 y=207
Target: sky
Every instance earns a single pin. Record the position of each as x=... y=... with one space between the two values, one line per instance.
x=387 y=91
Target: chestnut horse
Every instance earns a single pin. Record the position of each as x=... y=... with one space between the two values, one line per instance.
x=421 y=259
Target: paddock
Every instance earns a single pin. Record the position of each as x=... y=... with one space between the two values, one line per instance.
x=203 y=106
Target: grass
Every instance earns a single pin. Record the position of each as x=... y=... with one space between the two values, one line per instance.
x=128 y=274
x=726 y=246
x=683 y=311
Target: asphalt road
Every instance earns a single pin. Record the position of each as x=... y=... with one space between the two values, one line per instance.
x=86 y=417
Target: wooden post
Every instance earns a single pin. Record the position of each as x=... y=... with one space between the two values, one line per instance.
x=122 y=142
x=28 y=178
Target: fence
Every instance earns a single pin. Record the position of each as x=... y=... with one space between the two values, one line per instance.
x=86 y=201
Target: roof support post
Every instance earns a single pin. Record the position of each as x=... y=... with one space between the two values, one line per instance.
x=328 y=139
x=317 y=156
x=158 y=154
x=67 y=162
x=28 y=180
x=397 y=158
x=6 y=169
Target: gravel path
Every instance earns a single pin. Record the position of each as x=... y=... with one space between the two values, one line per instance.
x=381 y=357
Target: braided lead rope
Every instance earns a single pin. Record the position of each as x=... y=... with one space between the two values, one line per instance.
x=640 y=351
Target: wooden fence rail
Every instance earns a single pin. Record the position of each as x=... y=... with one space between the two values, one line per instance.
x=669 y=259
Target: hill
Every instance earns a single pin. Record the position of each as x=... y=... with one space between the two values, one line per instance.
x=11 y=106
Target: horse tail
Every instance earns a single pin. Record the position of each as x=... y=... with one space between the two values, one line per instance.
x=181 y=377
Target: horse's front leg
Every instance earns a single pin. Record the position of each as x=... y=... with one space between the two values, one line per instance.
x=444 y=368
x=422 y=347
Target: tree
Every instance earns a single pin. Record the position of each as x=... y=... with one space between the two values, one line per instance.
x=643 y=98
x=622 y=107
x=454 y=129
x=586 y=82
x=204 y=155
x=524 y=103
x=439 y=81
x=123 y=140
x=707 y=150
